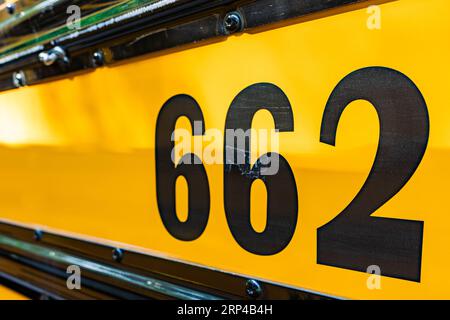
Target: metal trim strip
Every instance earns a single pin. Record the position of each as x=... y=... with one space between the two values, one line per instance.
x=175 y=279
x=185 y=23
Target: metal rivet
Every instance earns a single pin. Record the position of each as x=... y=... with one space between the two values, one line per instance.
x=98 y=58
x=19 y=79
x=11 y=8
x=50 y=57
x=233 y=22
x=117 y=255
x=253 y=289
x=38 y=235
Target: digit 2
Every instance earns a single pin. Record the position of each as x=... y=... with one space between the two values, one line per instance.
x=355 y=240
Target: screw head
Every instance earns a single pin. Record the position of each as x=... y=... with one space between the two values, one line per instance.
x=11 y=8
x=253 y=289
x=18 y=79
x=48 y=58
x=38 y=235
x=233 y=22
x=98 y=58
x=117 y=255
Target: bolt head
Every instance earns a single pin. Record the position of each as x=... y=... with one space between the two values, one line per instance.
x=11 y=8
x=38 y=235
x=98 y=58
x=18 y=79
x=117 y=255
x=233 y=22
x=253 y=289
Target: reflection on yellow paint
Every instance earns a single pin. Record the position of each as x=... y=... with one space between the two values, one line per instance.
x=22 y=121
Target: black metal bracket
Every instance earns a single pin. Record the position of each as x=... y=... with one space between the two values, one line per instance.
x=40 y=259
x=188 y=22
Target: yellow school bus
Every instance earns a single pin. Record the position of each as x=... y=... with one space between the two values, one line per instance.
x=222 y=149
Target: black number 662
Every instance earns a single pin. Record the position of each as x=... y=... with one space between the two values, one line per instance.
x=353 y=239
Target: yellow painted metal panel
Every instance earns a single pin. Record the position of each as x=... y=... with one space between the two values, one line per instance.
x=8 y=294
x=77 y=154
